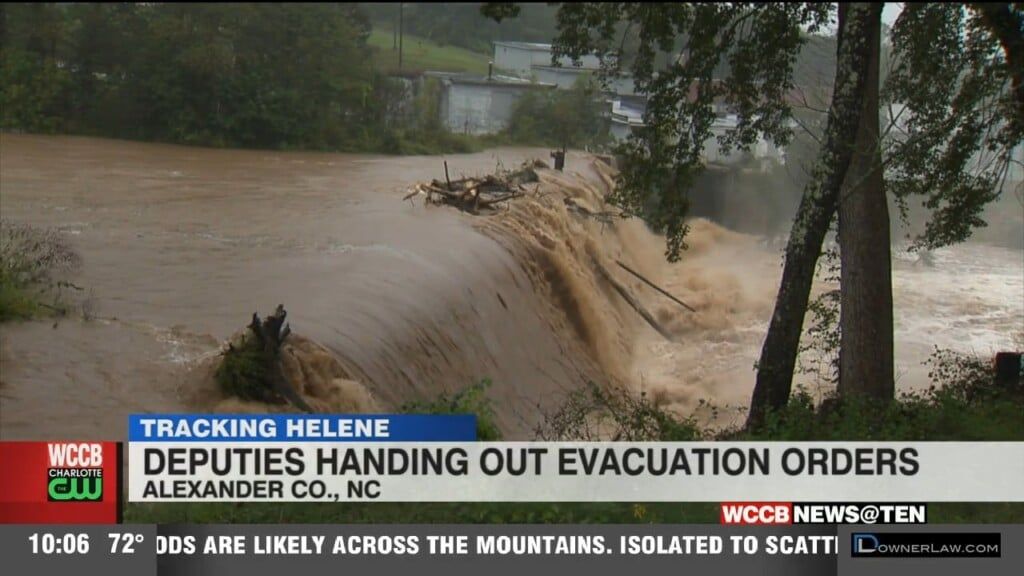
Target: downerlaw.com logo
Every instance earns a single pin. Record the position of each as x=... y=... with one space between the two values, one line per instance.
x=926 y=545
x=75 y=472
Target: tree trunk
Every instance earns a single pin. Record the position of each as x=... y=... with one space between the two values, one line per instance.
x=866 y=338
x=818 y=204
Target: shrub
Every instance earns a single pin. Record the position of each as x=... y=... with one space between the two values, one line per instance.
x=470 y=400
x=963 y=403
x=32 y=256
x=593 y=413
x=243 y=372
x=16 y=303
x=571 y=118
x=32 y=263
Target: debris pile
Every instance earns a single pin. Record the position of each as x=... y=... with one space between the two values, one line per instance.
x=479 y=194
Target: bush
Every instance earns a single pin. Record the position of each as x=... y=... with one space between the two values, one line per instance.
x=571 y=118
x=243 y=372
x=32 y=262
x=470 y=400
x=16 y=303
x=592 y=413
x=962 y=404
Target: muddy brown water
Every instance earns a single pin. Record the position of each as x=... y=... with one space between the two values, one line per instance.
x=180 y=245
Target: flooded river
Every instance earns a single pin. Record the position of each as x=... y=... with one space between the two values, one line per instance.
x=181 y=245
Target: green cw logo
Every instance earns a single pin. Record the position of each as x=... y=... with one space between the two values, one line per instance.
x=67 y=489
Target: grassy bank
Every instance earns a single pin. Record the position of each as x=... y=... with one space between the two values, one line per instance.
x=420 y=54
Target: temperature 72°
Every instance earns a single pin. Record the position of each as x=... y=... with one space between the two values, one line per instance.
x=124 y=542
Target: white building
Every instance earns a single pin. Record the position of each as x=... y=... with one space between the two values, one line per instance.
x=625 y=117
x=519 y=58
x=480 y=104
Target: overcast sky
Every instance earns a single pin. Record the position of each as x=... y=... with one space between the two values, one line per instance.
x=891 y=11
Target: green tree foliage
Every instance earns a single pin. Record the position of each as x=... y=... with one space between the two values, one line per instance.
x=952 y=75
x=572 y=118
x=754 y=44
x=34 y=88
x=253 y=75
x=958 y=121
x=34 y=93
x=462 y=24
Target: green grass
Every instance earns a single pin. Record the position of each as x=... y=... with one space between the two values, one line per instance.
x=16 y=303
x=420 y=54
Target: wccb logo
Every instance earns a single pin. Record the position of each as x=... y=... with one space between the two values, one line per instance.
x=75 y=473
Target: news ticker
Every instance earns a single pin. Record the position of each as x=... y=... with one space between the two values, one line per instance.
x=256 y=550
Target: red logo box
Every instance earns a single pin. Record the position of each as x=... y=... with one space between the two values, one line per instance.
x=60 y=482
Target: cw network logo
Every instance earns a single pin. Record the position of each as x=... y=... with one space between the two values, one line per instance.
x=926 y=545
x=75 y=472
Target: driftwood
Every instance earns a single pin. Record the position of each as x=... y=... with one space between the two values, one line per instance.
x=632 y=301
x=604 y=217
x=270 y=334
x=655 y=286
x=475 y=194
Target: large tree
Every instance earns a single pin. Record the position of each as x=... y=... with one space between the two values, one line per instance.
x=950 y=123
x=252 y=75
x=856 y=59
x=866 y=314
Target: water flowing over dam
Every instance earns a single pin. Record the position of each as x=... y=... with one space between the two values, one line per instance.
x=399 y=301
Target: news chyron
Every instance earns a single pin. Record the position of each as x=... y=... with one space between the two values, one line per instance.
x=789 y=513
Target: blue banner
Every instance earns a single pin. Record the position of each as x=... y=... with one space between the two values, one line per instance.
x=301 y=428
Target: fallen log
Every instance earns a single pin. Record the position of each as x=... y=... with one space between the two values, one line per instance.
x=632 y=301
x=655 y=286
x=604 y=217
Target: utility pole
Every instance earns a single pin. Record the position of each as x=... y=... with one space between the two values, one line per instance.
x=400 y=34
x=394 y=32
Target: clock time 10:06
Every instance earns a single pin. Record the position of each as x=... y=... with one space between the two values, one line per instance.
x=47 y=543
